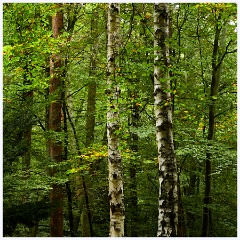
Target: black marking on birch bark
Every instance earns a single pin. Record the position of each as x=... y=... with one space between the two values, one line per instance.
x=165 y=126
x=163 y=13
x=156 y=76
x=115 y=175
x=169 y=173
x=118 y=229
x=170 y=194
x=111 y=160
x=111 y=59
x=159 y=32
x=164 y=204
x=112 y=128
x=112 y=207
x=157 y=91
x=116 y=208
x=160 y=172
x=114 y=8
x=120 y=191
x=163 y=223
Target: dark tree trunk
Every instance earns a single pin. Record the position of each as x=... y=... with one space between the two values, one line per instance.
x=91 y=108
x=65 y=158
x=70 y=212
x=91 y=111
x=217 y=58
x=27 y=134
x=91 y=101
x=27 y=138
x=133 y=199
x=55 y=147
x=83 y=182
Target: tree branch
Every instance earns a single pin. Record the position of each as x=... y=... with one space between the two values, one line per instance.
x=223 y=112
x=77 y=90
x=41 y=125
x=224 y=54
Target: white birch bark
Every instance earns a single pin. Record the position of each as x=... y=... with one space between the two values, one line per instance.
x=168 y=197
x=114 y=156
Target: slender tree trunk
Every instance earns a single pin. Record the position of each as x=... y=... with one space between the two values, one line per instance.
x=114 y=157
x=82 y=179
x=216 y=76
x=168 y=179
x=27 y=135
x=27 y=140
x=87 y=229
x=34 y=230
x=70 y=212
x=133 y=199
x=46 y=120
x=91 y=102
x=65 y=157
x=91 y=108
x=181 y=229
x=55 y=147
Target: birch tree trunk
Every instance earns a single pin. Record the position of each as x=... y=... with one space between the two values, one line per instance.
x=114 y=157
x=168 y=179
x=55 y=146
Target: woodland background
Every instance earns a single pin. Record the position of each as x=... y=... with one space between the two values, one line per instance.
x=28 y=43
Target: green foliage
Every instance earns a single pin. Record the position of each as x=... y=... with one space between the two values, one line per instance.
x=27 y=47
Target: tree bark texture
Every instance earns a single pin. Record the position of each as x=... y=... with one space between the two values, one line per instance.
x=92 y=87
x=65 y=158
x=82 y=183
x=133 y=198
x=55 y=146
x=216 y=76
x=117 y=214
x=168 y=179
x=27 y=134
x=90 y=120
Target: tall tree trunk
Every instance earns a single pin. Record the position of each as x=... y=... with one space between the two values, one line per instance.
x=65 y=155
x=114 y=157
x=81 y=180
x=87 y=229
x=133 y=198
x=27 y=134
x=55 y=147
x=181 y=229
x=91 y=102
x=217 y=58
x=168 y=179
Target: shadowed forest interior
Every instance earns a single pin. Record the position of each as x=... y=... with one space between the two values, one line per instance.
x=119 y=119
